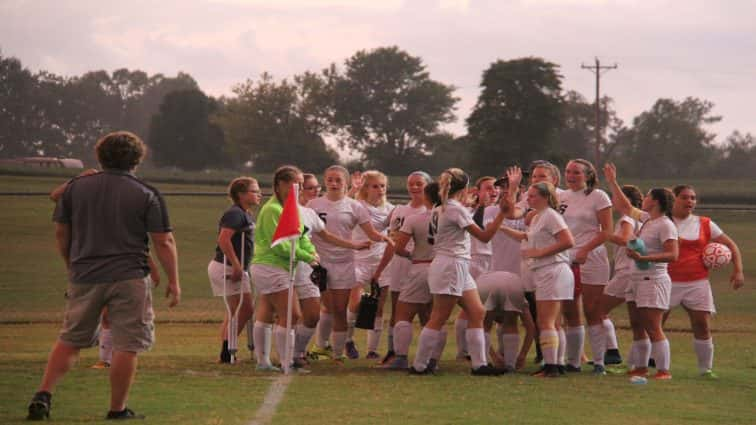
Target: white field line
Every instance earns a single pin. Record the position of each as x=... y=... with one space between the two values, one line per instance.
x=274 y=396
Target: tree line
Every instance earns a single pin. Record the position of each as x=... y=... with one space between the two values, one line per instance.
x=381 y=104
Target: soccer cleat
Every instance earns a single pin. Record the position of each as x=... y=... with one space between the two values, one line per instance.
x=372 y=355
x=351 y=350
x=599 y=370
x=638 y=371
x=125 y=414
x=561 y=369
x=572 y=369
x=100 y=365
x=320 y=353
x=709 y=374
x=663 y=375
x=548 y=371
x=485 y=370
x=612 y=357
x=413 y=371
x=617 y=370
x=39 y=407
x=433 y=365
x=267 y=368
x=397 y=363
x=388 y=357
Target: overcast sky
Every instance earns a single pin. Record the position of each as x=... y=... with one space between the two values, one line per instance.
x=670 y=49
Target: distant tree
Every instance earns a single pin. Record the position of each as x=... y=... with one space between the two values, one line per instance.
x=669 y=140
x=576 y=136
x=20 y=129
x=181 y=134
x=737 y=156
x=441 y=151
x=517 y=115
x=385 y=105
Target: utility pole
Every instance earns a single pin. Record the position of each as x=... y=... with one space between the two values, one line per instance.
x=598 y=69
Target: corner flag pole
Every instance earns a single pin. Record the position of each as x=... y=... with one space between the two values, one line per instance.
x=289 y=346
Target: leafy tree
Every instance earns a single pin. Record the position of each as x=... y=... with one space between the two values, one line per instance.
x=181 y=134
x=576 y=136
x=517 y=115
x=385 y=105
x=737 y=156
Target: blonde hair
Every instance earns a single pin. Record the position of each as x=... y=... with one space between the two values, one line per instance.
x=239 y=185
x=451 y=181
x=547 y=190
x=362 y=195
x=344 y=172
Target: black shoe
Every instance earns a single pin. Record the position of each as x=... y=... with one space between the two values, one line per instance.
x=572 y=369
x=413 y=371
x=652 y=363
x=39 y=407
x=561 y=369
x=225 y=355
x=433 y=365
x=612 y=356
x=125 y=414
x=485 y=370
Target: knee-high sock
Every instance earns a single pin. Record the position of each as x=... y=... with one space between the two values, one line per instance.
x=374 y=335
x=339 y=341
x=575 y=341
x=661 y=353
x=632 y=354
x=511 y=349
x=279 y=334
x=325 y=326
x=351 y=321
x=597 y=337
x=460 y=326
x=562 y=350
x=106 y=345
x=260 y=332
x=438 y=349
x=390 y=338
x=704 y=349
x=549 y=346
x=642 y=352
x=476 y=346
x=303 y=337
x=402 y=337
x=611 y=334
x=428 y=339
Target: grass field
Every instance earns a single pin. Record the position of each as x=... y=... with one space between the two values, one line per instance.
x=178 y=381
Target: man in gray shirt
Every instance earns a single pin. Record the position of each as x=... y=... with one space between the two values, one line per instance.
x=104 y=222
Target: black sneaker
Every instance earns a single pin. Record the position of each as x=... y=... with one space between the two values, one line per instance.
x=485 y=370
x=413 y=371
x=612 y=356
x=652 y=363
x=125 y=414
x=39 y=407
x=572 y=369
x=561 y=369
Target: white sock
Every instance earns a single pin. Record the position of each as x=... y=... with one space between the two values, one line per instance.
x=268 y=332
x=562 y=347
x=391 y=338
x=611 y=335
x=460 y=326
x=598 y=344
x=403 y=337
x=339 y=341
x=261 y=354
x=549 y=345
x=704 y=349
x=476 y=344
x=106 y=345
x=428 y=339
x=575 y=342
x=325 y=326
x=632 y=354
x=351 y=321
x=279 y=334
x=511 y=349
x=302 y=340
x=661 y=353
x=374 y=335
x=642 y=352
x=438 y=349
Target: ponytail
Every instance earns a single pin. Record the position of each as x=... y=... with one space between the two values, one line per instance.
x=451 y=181
x=665 y=198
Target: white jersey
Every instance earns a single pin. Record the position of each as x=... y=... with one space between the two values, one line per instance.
x=482 y=248
x=417 y=226
x=654 y=232
x=379 y=218
x=690 y=228
x=542 y=233
x=505 y=249
x=340 y=217
x=400 y=213
x=580 y=213
x=623 y=263
x=312 y=224
x=448 y=230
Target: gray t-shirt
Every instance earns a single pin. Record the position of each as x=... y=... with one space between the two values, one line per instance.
x=111 y=214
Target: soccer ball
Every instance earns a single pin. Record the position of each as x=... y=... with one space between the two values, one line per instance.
x=716 y=255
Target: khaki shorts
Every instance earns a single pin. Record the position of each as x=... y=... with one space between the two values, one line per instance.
x=415 y=289
x=130 y=314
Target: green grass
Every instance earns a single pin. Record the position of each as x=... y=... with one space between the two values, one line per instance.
x=178 y=381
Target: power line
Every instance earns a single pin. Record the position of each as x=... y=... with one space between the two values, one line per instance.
x=598 y=69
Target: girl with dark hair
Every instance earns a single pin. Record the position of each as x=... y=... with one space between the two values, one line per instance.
x=650 y=286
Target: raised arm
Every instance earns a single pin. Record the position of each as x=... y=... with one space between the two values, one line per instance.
x=624 y=206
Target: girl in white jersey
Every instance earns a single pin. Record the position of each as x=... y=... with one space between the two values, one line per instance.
x=449 y=274
x=547 y=240
x=588 y=212
x=650 y=287
x=341 y=215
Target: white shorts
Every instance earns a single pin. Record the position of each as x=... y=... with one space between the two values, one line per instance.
x=415 y=289
x=306 y=290
x=617 y=287
x=269 y=279
x=397 y=272
x=215 y=273
x=554 y=282
x=527 y=277
x=450 y=276
x=364 y=272
x=650 y=290
x=596 y=269
x=340 y=275
x=694 y=295
x=480 y=264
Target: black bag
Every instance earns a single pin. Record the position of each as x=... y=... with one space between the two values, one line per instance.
x=368 y=307
x=319 y=277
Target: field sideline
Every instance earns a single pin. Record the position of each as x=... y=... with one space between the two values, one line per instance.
x=178 y=382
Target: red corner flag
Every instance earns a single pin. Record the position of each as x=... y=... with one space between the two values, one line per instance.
x=288 y=223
